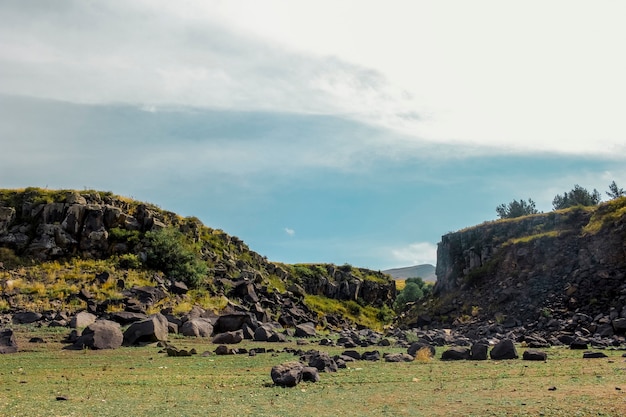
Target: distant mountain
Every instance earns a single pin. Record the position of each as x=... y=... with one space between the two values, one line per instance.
x=425 y=271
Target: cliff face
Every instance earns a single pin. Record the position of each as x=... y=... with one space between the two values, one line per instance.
x=568 y=265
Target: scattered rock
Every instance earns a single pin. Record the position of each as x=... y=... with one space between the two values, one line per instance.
x=398 y=357
x=534 y=355
x=288 y=374
x=504 y=349
x=228 y=338
x=455 y=354
x=102 y=334
x=197 y=327
x=8 y=344
x=594 y=355
x=82 y=319
x=151 y=330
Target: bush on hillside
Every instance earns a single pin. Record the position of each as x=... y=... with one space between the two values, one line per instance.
x=414 y=290
x=170 y=252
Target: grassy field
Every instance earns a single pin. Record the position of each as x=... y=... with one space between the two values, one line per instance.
x=143 y=382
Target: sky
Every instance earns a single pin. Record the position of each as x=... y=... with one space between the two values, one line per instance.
x=344 y=131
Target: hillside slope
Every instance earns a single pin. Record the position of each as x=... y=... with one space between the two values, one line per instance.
x=563 y=271
x=424 y=271
x=65 y=249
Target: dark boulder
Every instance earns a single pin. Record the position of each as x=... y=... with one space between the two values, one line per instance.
x=456 y=353
x=224 y=350
x=228 y=338
x=579 y=344
x=594 y=355
x=26 y=317
x=534 y=355
x=306 y=330
x=398 y=357
x=198 y=327
x=102 y=334
x=505 y=349
x=153 y=329
x=372 y=356
x=323 y=362
x=310 y=374
x=231 y=322
x=417 y=346
x=288 y=374
x=126 y=317
x=478 y=352
x=8 y=344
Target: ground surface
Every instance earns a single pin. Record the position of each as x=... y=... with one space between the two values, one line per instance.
x=143 y=382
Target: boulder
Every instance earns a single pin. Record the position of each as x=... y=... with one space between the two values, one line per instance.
x=417 y=346
x=534 y=355
x=126 y=317
x=398 y=357
x=372 y=356
x=153 y=329
x=455 y=354
x=102 y=334
x=197 y=327
x=594 y=355
x=231 y=322
x=619 y=325
x=352 y=354
x=323 y=362
x=478 y=352
x=306 y=330
x=82 y=319
x=228 y=338
x=505 y=349
x=579 y=344
x=224 y=350
x=8 y=344
x=26 y=317
x=288 y=374
x=310 y=374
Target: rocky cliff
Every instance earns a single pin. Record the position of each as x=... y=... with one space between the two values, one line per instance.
x=564 y=270
x=41 y=226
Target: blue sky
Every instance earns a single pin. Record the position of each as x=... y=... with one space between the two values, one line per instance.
x=343 y=132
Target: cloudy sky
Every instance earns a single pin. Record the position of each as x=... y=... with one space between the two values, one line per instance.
x=316 y=131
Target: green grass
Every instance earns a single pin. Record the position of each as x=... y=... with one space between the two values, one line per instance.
x=143 y=382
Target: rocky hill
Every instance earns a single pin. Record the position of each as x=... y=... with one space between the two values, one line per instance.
x=71 y=250
x=556 y=274
x=424 y=271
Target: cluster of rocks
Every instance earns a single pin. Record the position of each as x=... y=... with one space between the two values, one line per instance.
x=105 y=331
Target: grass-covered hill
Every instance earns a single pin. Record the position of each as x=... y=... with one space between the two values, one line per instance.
x=68 y=250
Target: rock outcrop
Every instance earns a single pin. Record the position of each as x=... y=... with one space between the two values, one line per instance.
x=545 y=276
x=46 y=225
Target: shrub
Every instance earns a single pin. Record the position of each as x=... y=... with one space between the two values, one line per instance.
x=129 y=261
x=170 y=252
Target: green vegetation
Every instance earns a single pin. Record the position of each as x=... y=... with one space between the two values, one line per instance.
x=414 y=290
x=368 y=316
x=606 y=214
x=516 y=209
x=578 y=196
x=615 y=191
x=171 y=252
x=142 y=382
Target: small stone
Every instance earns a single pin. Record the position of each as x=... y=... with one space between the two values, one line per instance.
x=552 y=389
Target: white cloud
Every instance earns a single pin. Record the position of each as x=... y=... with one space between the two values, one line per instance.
x=530 y=77
x=289 y=231
x=416 y=254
